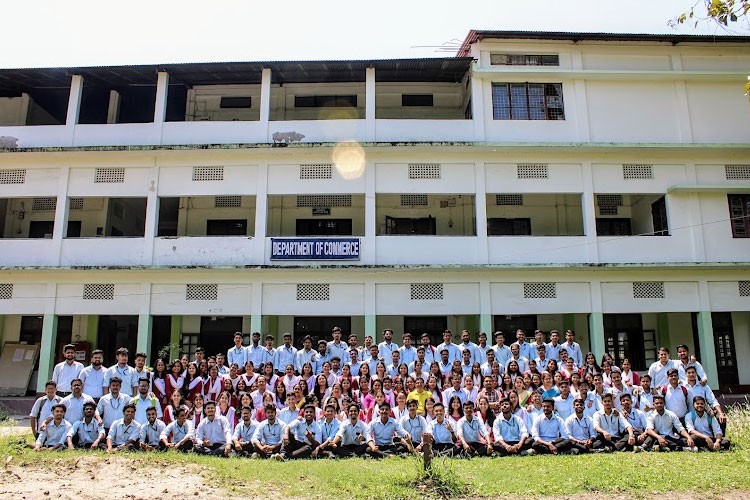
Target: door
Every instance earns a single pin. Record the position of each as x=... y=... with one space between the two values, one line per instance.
x=404 y=226
x=726 y=358
x=434 y=326
x=41 y=228
x=161 y=337
x=116 y=331
x=623 y=338
x=217 y=333
x=659 y=217
x=508 y=324
x=228 y=227
x=319 y=327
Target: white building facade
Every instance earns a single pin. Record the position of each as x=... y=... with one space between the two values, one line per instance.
x=592 y=182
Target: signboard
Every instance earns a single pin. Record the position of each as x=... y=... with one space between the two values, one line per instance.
x=315 y=248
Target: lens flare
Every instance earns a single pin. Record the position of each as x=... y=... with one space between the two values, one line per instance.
x=349 y=159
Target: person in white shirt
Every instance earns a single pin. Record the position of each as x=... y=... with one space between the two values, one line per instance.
x=564 y=402
x=502 y=351
x=408 y=351
x=93 y=376
x=591 y=403
x=614 y=432
x=642 y=396
x=442 y=433
x=676 y=395
x=179 y=434
x=123 y=434
x=581 y=429
x=703 y=428
x=661 y=425
x=454 y=353
x=55 y=434
x=254 y=351
x=299 y=436
x=305 y=355
x=75 y=400
x=549 y=432
x=525 y=349
x=523 y=363
x=706 y=393
x=143 y=402
x=65 y=371
x=328 y=427
x=387 y=346
x=268 y=437
x=112 y=404
x=684 y=362
x=213 y=435
x=150 y=433
x=338 y=348
x=554 y=346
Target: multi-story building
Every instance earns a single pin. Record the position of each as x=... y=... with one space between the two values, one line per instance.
x=594 y=182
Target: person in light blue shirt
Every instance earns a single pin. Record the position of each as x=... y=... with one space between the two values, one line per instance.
x=112 y=404
x=352 y=436
x=55 y=434
x=237 y=354
x=414 y=424
x=382 y=432
x=510 y=432
x=255 y=350
x=87 y=432
x=306 y=355
x=93 y=376
x=179 y=434
x=299 y=436
x=269 y=435
x=525 y=349
x=123 y=435
x=467 y=345
x=150 y=433
x=454 y=353
x=336 y=347
x=442 y=432
x=126 y=373
x=242 y=438
x=285 y=355
x=502 y=351
x=213 y=435
x=581 y=429
x=472 y=434
x=572 y=347
x=549 y=432
x=387 y=346
x=328 y=427
x=408 y=352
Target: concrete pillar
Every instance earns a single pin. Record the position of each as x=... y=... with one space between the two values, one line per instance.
x=662 y=325
x=370 y=89
x=74 y=100
x=485 y=310
x=371 y=310
x=596 y=333
x=144 y=334
x=47 y=352
x=589 y=213
x=175 y=336
x=480 y=201
x=113 y=109
x=708 y=348
x=371 y=215
x=477 y=105
x=371 y=327
x=256 y=323
x=151 y=226
x=61 y=212
x=265 y=100
x=485 y=325
x=162 y=89
x=92 y=329
x=261 y=216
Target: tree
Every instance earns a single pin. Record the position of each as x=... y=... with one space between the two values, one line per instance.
x=723 y=12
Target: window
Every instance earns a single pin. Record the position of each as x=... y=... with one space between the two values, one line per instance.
x=189 y=344
x=509 y=227
x=235 y=102
x=624 y=337
x=325 y=101
x=525 y=59
x=324 y=227
x=405 y=226
x=226 y=227
x=739 y=212
x=416 y=100
x=527 y=101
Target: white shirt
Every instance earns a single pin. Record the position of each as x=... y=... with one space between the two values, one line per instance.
x=664 y=424
x=43 y=408
x=64 y=373
x=54 y=435
x=215 y=431
x=177 y=431
x=120 y=433
x=74 y=406
x=349 y=432
x=614 y=423
x=93 y=381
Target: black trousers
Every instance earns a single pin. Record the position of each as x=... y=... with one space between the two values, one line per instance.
x=561 y=444
x=616 y=443
x=297 y=449
x=388 y=450
x=503 y=452
x=446 y=449
x=673 y=443
x=477 y=449
x=350 y=450
x=215 y=449
x=701 y=443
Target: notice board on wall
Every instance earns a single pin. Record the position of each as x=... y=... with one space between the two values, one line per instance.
x=16 y=365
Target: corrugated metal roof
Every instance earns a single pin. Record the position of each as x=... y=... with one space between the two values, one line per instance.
x=450 y=69
x=478 y=35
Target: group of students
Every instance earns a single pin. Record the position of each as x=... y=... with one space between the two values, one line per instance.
x=344 y=399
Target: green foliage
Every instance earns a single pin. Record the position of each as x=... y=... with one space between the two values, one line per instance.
x=165 y=351
x=723 y=12
x=442 y=478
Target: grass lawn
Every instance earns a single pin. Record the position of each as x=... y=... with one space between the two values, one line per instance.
x=621 y=473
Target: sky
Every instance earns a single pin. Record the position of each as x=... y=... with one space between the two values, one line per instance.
x=49 y=33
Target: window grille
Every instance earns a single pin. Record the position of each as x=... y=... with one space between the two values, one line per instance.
x=737 y=172
x=108 y=175
x=609 y=200
x=76 y=203
x=17 y=176
x=208 y=174
x=508 y=199
x=426 y=291
x=540 y=290
x=324 y=200
x=413 y=200
x=525 y=59
x=313 y=291
x=227 y=201
x=424 y=171
x=532 y=171
x=743 y=288
x=99 y=291
x=316 y=171
x=648 y=289
x=637 y=172
x=6 y=291
x=608 y=210
x=43 y=204
x=201 y=292
x=527 y=101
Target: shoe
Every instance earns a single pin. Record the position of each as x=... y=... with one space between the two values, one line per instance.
x=637 y=449
x=608 y=449
x=277 y=457
x=643 y=448
x=575 y=451
x=695 y=449
x=255 y=455
x=655 y=448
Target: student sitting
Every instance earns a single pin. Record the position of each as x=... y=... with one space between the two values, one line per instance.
x=703 y=428
x=55 y=433
x=123 y=434
x=86 y=433
x=179 y=434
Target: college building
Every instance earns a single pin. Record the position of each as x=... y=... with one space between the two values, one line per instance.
x=594 y=182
